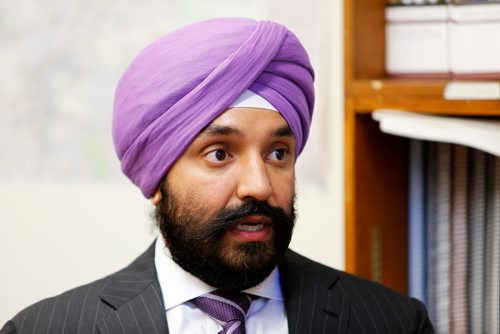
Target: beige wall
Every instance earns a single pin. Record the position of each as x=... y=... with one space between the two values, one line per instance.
x=55 y=234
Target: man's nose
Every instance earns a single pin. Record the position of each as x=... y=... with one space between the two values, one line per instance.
x=254 y=181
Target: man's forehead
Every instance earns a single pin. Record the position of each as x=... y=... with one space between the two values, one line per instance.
x=242 y=120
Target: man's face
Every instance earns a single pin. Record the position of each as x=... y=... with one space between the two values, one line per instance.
x=227 y=203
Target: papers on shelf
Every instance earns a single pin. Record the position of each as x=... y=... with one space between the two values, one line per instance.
x=482 y=134
x=469 y=90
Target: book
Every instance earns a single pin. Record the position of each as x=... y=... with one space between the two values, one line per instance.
x=416 y=222
x=477 y=230
x=459 y=240
x=431 y=229
x=492 y=260
x=442 y=238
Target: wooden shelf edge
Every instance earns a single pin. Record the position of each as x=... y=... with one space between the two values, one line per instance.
x=384 y=86
x=424 y=96
x=427 y=105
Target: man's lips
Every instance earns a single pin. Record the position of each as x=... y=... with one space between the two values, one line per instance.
x=252 y=228
x=254 y=220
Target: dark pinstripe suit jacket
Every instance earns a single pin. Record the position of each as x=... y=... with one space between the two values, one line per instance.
x=318 y=299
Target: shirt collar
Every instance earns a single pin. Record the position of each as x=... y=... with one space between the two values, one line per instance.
x=178 y=286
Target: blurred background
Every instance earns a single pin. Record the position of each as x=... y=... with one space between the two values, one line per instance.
x=67 y=214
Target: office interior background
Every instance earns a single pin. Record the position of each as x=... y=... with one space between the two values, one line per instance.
x=67 y=214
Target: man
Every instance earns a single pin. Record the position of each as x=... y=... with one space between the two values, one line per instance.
x=208 y=122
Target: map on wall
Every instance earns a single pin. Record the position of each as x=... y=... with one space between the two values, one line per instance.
x=61 y=63
x=62 y=60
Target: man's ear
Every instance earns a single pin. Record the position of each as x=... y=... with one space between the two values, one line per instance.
x=156 y=198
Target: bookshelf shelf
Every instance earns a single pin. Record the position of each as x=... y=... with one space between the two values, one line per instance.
x=376 y=164
x=421 y=96
x=384 y=86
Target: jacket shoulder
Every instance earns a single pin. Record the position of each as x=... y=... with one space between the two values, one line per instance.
x=372 y=307
x=79 y=309
x=377 y=306
x=73 y=311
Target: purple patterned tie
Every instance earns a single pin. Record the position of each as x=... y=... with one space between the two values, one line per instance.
x=229 y=308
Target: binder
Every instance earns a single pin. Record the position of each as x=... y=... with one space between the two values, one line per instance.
x=431 y=229
x=492 y=265
x=459 y=241
x=477 y=230
x=442 y=239
x=416 y=222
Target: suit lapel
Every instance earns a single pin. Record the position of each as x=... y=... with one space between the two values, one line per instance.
x=135 y=296
x=313 y=301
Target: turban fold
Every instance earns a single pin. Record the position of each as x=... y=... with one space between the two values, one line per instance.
x=181 y=82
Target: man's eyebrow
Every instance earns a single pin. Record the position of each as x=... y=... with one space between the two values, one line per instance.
x=221 y=130
x=283 y=131
x=218 y=130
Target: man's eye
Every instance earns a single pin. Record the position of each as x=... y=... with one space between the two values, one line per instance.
x=217 y=155
x=278 y=154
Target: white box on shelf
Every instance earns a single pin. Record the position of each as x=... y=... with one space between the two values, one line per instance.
x=417 y=39
x=475 y=40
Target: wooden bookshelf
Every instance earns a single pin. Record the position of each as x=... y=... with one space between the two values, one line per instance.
x=377 y=163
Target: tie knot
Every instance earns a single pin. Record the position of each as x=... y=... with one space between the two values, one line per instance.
x=228 y=307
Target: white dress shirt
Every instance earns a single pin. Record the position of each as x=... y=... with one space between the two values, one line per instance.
x=266 y=314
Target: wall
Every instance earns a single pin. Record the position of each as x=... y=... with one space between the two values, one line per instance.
x=67 y=216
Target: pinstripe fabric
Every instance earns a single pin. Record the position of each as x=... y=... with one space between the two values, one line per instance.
x=318 y=299
x=125 y=302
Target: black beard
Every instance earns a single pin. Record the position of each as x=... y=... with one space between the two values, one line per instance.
x=197 y=243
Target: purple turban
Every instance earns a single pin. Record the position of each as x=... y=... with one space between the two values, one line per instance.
x=180 y=83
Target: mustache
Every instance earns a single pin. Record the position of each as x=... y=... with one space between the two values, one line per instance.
x=230 y=217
